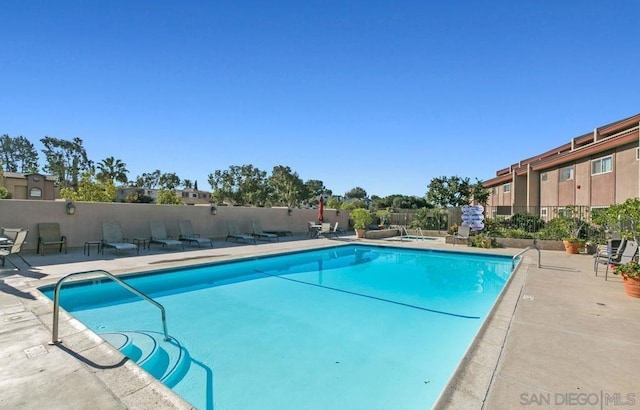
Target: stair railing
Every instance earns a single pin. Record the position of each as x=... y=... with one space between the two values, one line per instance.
x=56 y=301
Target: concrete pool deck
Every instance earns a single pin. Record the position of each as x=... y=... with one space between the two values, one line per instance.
x=559 y=337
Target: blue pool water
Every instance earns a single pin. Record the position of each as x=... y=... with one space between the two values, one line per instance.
x=350 y=327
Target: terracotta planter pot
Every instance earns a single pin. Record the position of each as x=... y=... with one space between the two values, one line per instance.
x=572 y=247
x=631 y=286
x=360 y=233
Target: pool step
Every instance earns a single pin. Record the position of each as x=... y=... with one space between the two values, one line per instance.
x=167 y=361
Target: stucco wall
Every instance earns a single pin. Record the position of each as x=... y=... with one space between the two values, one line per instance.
x=85 y=224
x=626 y=171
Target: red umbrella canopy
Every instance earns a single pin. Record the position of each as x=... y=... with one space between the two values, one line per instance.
x=321 y=210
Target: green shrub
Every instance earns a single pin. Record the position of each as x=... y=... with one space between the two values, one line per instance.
x=526 y=222
x=484 y=241
x=517 y=233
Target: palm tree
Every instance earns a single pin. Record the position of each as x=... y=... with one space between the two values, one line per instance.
x=110 y=169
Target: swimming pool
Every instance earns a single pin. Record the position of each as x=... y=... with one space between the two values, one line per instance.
x=357 y=327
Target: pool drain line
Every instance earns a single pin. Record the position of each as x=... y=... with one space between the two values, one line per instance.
x=368 y=296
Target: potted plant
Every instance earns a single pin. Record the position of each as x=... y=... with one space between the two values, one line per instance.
x=383 y=215
x=361 y=220
x=631 y=278
x=573 y=244
x=572 y=225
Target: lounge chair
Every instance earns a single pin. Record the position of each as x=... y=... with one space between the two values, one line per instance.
x=14 y=248
x=187 y=235
x=258 y=233
x=235 y=234
x=462 y=234
x=49 y=234
x=112 y=238
x=628 y=254
x=159 y=235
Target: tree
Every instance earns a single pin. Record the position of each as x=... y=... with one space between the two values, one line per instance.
x=398 y=201
x=356 y=193
x=90 y=190
x=187 y=183
x=240 y=185
x=333 y=203
x=148 y=180
x=355 y=204
x=138 y=197
x=4 y=193
x=286 y=187
x=169 y=181
x=18 y=154
x=479 y=193
x=66 y=160
x=314 y=188
x=449 y=192
x=168 y=197
x=111 y=169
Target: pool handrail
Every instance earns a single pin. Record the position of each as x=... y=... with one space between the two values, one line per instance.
x=56 y=301
x=513 y=259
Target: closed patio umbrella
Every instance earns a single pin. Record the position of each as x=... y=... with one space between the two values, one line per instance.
x=321 y=210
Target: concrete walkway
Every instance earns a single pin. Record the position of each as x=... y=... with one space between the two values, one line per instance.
x=559 y=336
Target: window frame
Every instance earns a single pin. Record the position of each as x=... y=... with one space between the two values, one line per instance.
x=35 y=192
x=600 y=160
x=506 y=188
x=561 y=173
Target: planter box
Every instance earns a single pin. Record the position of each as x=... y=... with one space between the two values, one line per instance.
x=381 y=233
x=543 y=244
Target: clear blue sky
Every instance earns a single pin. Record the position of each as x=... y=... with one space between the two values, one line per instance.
x=385 y=95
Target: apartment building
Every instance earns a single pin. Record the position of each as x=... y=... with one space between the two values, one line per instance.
x=188 y=196
x=30 y=186
x=593 y=170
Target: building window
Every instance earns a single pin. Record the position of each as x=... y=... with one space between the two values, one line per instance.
x=35 y=193
x=194 y=195
x=543 y=176
x=543 y=213
x=507 y=187
x=566 y=173
x=637 y=154
x=602 y=165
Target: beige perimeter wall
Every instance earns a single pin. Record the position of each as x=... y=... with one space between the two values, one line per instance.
x=84 y=225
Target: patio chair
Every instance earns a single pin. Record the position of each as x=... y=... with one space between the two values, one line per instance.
x=112 y=238
x=462 y=234
x=337 y=229
x=326 y=231
x=628 y=254
x=258 y=233
x=49 y=234
x=14 y=248
x=159 y=235
x=10 y=233
x=187 y=235
x=235 y=234
x=312 y=229
x=612 y=249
